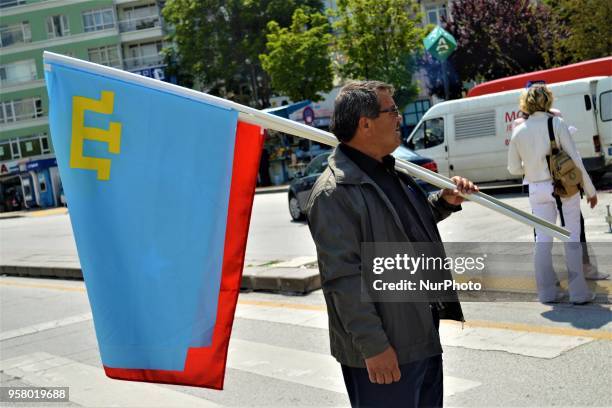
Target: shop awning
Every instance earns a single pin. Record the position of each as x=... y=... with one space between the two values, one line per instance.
x=286 y=110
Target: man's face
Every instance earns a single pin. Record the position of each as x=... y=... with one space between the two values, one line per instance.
x=385 y=129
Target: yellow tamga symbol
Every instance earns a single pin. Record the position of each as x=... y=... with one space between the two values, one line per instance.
x=112 y=136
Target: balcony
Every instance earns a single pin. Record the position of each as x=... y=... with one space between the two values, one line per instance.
x=141 y=29
x=131 y=64
x=141 y=23
x=11 y=3
x=15 y=35
x=15 y=80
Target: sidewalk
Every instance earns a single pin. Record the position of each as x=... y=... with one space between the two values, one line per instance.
x=20 y=256
x=64 y=210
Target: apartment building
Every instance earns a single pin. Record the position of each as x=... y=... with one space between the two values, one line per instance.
x=125 y=34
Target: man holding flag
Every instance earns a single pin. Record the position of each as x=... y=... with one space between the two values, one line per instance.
x=390 y=352
x=161 y=240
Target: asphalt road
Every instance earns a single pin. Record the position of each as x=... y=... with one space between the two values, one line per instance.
x=509 y=354
x=274 y=236
x=48 y=240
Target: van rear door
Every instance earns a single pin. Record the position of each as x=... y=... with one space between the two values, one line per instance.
x=429 y=140
x=604 y=117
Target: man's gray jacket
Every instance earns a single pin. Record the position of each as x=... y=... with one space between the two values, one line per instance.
x=346 y=208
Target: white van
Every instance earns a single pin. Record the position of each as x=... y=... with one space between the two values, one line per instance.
x=470 y=136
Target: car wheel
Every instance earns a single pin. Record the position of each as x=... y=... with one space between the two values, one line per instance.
x=294 y=209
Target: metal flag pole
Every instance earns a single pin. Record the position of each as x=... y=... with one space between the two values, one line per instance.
x=269 y=121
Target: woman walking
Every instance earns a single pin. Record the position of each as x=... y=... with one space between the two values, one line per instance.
x=528 y=154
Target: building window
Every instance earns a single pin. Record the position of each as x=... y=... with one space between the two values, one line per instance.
x=5 y=151
x=95 y=20
x=143 y=55
x=20 y=109
x=57 y=26
x=18 y=72
x=11 y=3
x=435 y=14
x=15 y=149
x=415 y=111
x=44 y=143
x=108 y=56
x=15 y=34
x=28 y=146
x=139 y=17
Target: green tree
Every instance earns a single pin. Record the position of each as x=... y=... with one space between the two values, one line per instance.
x=587 y=34
x=218 y=43
x=298 y=59
x=499 y=38
x=377 y=40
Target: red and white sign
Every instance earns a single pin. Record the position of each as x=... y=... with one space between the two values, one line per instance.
x=308 y=115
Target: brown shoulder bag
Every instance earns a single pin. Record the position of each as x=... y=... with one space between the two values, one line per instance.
x=565 y=174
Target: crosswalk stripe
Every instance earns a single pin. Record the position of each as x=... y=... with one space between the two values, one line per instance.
x=316 y=319
x=516 y=342
x=516 y=338
x=88 y=386
x=526 y=343
x=54 y=324
x=305 y=367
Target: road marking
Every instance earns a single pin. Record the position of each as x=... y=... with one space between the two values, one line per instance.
x=559 y=331
x=523 y=327
x=90 y=387
x=282 y=305
x=515 y=342
x=54 y=324
x=43 y=286
x=295 y=262
x=44 y=213
x=316 y=319
x=305 y=368
x=527 y=284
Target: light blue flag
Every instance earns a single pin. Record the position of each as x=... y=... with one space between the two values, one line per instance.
x=147 y=178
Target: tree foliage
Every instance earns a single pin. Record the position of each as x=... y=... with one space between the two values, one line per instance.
x=377 y=39
x=435 y=78
x=499 y=38
x=219 y=42
x=587 y=32
x=298 y=59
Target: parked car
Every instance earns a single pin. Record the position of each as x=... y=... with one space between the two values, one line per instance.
x=302 y=184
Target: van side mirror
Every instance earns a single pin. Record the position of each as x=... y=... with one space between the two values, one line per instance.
x=410 y=144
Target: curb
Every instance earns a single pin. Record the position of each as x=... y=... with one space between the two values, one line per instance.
x=282 y=280
x=271 y=190
x=41 y=272
x=34 y=213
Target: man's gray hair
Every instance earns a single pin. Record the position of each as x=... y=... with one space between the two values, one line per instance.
x=356 y=99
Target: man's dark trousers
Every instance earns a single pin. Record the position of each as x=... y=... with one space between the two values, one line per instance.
x=420 y=386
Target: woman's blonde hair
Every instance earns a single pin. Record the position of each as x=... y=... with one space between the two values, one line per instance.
x=537 y=98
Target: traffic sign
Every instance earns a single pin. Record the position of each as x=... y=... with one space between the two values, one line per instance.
x=440 y=43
